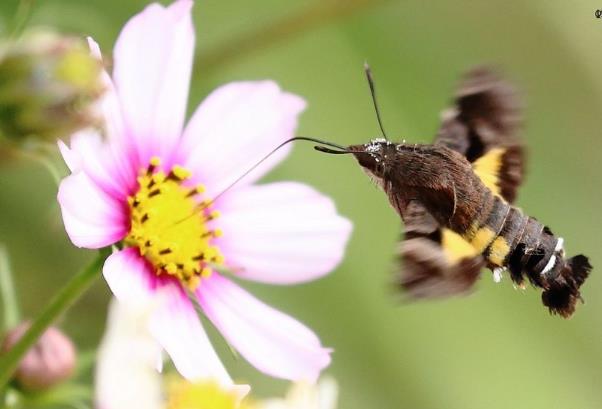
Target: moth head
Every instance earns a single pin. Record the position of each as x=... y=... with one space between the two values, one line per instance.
x=376 y=156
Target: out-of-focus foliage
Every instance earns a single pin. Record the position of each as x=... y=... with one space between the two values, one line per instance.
x=47 y=86
x=497 y=348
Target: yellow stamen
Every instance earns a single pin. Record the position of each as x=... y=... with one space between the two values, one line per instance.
x=181 y=173
x=168 y=226
x=155 y=161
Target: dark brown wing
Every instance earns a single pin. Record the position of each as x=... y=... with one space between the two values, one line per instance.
x=435 y=262
x=485 y=119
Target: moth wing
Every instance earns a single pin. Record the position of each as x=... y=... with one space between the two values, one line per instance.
x=435 y=261
x=482 y=125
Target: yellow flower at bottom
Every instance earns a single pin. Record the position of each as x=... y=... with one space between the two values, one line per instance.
x=202 y=395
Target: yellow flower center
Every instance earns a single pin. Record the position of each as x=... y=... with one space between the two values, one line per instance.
x=169 y=225
x=202 y=395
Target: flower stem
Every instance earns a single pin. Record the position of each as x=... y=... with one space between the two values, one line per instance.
x=74 y=289
x=7 y=291
x=36 y=152
x=44 y=161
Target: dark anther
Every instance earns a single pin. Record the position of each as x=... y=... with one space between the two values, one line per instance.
x=173 y=176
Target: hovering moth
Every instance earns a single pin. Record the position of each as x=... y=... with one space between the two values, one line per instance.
x=455 y=197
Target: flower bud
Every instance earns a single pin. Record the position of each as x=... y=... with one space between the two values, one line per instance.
x=48 y=84
x=50 y=361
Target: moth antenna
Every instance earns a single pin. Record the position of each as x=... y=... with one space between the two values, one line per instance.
x=370 y=79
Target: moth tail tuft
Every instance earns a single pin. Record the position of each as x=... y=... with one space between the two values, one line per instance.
x=580 y=268
x=562 y=296
x=561 y=300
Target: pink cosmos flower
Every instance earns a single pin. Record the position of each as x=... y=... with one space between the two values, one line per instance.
x=152 y=189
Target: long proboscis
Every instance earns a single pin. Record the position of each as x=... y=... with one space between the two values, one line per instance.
x=332 y=151
x=340 y=149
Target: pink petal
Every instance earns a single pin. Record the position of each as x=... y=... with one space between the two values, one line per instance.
x=177 y=327
x=71 y=158
x=130 y=277
x=110 y=109
x=235 y=127
x=103 y=163
x=109 y=103
x=273 y=342
x=281 y=233
x=173 y=322
x=153 y=61
x=92 y=218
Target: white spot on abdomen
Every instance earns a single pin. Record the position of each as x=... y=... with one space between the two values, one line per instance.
x=550 y=265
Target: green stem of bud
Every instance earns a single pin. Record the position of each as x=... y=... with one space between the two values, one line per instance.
x=72 y=291
x=45 y=161
x=7 y=291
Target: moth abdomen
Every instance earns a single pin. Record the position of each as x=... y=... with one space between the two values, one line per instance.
x=533 y=251
x=528 y=249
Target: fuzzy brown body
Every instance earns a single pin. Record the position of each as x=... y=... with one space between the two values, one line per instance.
x=457 y=194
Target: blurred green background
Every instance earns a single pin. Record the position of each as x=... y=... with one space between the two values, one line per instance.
x=497 y=348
